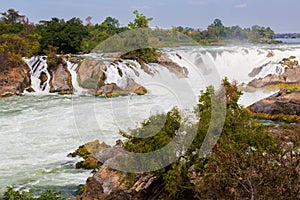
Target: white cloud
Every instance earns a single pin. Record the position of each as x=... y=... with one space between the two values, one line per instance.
x=243 y=5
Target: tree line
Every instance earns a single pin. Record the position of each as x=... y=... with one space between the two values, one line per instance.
x=216 y=34
x=19 y=37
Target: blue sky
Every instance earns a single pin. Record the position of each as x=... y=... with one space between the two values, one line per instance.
x=281 y=15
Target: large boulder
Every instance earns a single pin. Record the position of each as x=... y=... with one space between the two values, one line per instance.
x=60 y=81
x=134 y=87
x=91 y=74
x=14 y=78
x=284 y=102
x=110 y=90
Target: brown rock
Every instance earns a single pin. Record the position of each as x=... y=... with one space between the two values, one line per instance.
x=270 y=54
x=91 y=74
x=284 y=102
x=173 y=67
x=110 y=90
x=60 y=80
x=14 y=78
x=136 y=88
x=289 y=76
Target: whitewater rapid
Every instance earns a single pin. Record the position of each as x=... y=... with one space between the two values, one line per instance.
x=38 y=130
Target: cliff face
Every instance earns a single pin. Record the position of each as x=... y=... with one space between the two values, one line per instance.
x=14 y=78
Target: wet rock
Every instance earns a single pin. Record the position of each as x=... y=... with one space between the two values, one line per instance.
x=89 y=163
x=290 y=76
x=92 y=190
x=30 y=90
x=87 y=151
x=270 y=54
x=110 y=90
x=91 y=74
x=112 y=184
x=257 y=70
x=285 y=102
x=173 y=67
x=14 y=78
x=136 y=88
x=43 y=77
x=60 y=80
x=114 y=56
x=89 y=148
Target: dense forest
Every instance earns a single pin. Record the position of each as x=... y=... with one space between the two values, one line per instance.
x=19 y=37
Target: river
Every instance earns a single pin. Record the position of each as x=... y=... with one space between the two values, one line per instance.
x=37 y=131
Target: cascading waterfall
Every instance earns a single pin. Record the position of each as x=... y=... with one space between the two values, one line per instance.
x=236 y=63
x=72 y=67
x=38 y=65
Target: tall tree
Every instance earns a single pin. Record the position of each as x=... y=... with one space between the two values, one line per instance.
x=12 y=16
x=140 y=21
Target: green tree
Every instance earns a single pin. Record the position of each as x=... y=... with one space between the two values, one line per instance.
x=11 y=16
x=140 y=21
x=67 y=36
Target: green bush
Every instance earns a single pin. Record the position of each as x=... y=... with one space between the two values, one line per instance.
x=11 y=194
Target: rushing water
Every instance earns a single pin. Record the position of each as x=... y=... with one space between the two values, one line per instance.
x=37 y=131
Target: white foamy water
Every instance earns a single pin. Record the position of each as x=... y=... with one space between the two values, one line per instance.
x=37 y=131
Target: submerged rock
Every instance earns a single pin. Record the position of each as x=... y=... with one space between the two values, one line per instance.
x=14 y=78
x=270 y=54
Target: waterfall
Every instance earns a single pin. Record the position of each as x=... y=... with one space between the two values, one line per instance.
x=203 y=63
x=236 y=62
x=72 y=67
x=38 y=66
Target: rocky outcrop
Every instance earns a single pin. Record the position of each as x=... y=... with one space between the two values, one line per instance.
x=91 y=76
x=107 y=183
x=60 y=80
x=289 y=76
x=284 y=102
x=173 y=67
x=134 y=87
x=110 y=90
x=14 y=78
x=87 y=152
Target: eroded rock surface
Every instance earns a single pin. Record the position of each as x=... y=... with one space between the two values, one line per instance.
x=284 y=102
x=60 y=81
x=14 y=78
